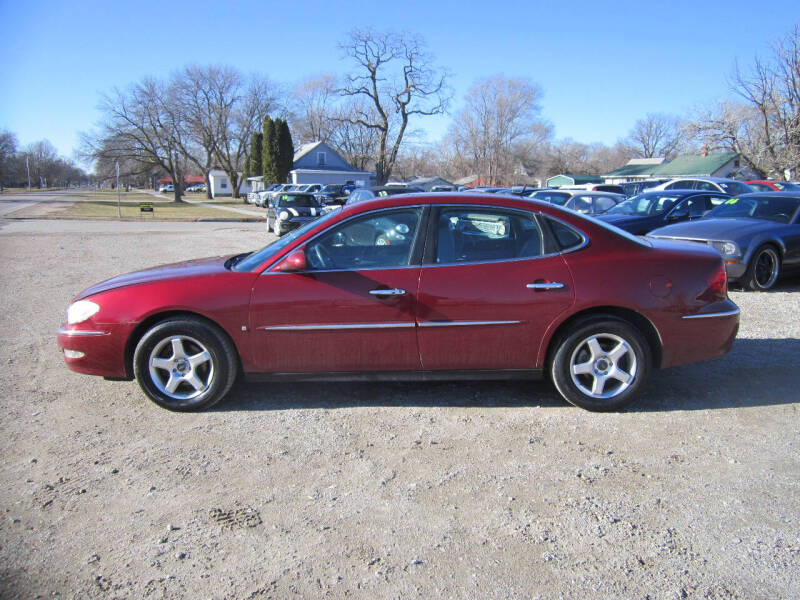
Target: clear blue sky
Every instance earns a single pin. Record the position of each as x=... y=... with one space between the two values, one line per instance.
x=602 y=65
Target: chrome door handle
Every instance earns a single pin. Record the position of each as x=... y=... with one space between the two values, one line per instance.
x=545 y=286
x=391 y=292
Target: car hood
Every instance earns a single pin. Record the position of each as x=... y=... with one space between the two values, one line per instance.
x=716 y=229
x=190 y=268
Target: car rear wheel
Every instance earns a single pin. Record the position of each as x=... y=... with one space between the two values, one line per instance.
x=601 y=364
x=764 y=269
x=185 y=364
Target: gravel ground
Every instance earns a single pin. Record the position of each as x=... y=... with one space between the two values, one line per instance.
x=458 y=490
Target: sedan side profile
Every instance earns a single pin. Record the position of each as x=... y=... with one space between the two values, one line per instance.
x=427 y=286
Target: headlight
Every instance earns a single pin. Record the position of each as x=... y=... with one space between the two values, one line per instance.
x=81 y=310
x=283 y=215
x=727 y=249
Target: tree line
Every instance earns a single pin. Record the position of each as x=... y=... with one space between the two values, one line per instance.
x=205 y=117
x=37 y=164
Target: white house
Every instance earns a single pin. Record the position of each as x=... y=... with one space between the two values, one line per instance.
x=221 y=184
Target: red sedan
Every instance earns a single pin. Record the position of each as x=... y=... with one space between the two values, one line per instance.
x=414 y=287
x=763 y=185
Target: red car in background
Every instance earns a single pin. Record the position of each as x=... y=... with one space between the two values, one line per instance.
x=762 y=185
x=437 y=286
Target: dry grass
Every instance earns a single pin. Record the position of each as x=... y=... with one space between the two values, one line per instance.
x=103 y=205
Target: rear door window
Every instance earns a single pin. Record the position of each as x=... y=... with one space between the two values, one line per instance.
x=467 y=235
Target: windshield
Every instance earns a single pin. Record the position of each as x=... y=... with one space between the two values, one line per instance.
x=768 y=208
x=557 y=198
x=646 y=205
x=258 y=258
x=296 y=201
x=735 y=188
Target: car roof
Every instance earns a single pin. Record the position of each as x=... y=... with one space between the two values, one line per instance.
x=703 y=178
x=679 y=192
x=792 y=195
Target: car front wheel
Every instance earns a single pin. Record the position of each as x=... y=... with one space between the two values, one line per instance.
x=185 y=364
x=601 y=364
x=764 y=269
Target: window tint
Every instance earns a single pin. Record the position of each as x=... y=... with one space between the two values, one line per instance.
x=566 y=237
x=603 y=203
x=683 y=184
x=373 y=241
x=468 y=235
x=698 y=206
x=707 y=186
x=735 y=187
x=581 y=204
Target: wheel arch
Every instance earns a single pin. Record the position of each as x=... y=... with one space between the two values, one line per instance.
x=151 y=320
x=636 y=319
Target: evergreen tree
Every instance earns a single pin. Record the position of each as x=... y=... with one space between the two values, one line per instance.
x=285 y=160
x=253 y=165
x=269 y=152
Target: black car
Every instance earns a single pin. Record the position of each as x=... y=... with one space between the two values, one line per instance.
x=289 y=210
x=335 y=193
x=758 y=236
x=360 y=194
x=650 y=210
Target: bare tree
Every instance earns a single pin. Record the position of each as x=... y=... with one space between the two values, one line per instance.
x=8 y=152
x=656 y=135
x=397 y=81
x=765 y=126
x=142 y=126
x=499 y=127
x=313 y=108
x=241 y=107
x=200 y=94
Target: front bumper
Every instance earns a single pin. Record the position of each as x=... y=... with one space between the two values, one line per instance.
x=95 y=349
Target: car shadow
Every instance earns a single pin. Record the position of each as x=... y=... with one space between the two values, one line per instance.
x=757 y=372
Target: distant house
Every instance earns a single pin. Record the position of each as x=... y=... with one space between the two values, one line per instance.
x=568 y=179
x=427 y=183
x=722 y=164
x=705 y=165
x=637 y=169
x=221 y=184
x=320 y=163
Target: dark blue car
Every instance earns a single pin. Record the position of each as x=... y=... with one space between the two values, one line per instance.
x=758 y=236
x=650 y=210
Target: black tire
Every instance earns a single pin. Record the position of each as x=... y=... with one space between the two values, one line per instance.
x=633 y=359
x=764 y=269
x=199 y=385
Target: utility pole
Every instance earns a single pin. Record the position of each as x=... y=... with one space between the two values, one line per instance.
x=119 y=201
x=28 y=168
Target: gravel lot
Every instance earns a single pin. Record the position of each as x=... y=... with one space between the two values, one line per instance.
x=462 y=490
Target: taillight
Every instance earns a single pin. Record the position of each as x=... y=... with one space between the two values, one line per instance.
x=717 y=285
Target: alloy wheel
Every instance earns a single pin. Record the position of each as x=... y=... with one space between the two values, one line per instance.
x=181 y=367
x=603 y=365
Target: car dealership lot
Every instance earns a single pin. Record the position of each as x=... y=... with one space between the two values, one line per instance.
x=381 y=490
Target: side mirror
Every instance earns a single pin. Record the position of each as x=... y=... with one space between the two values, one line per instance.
x=293 y=263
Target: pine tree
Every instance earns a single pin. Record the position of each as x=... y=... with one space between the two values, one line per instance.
x=285 y=145
x=269 y=152
x=253 y=165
